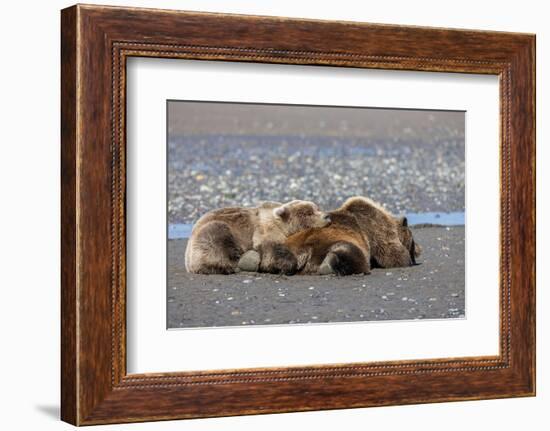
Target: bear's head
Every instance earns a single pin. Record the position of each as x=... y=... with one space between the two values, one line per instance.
x=406 y=238
x=298 y=215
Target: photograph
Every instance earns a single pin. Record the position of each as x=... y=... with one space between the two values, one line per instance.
x=303 y=214
x=274 y=210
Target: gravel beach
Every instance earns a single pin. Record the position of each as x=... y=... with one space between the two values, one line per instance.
x=434 y=289
x=222 y=155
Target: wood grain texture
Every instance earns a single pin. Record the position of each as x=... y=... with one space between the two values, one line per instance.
x=96 y=41
x=69 y=331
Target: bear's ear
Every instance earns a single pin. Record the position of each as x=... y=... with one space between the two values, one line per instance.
x=282 y=212
x=403 y=221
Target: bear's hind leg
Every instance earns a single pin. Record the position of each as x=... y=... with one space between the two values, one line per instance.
x=344 y=258
x=215 y=250
x=277 y=259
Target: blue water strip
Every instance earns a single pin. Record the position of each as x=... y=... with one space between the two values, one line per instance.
x=179 y=230
x=183 y=230
x=443 y=219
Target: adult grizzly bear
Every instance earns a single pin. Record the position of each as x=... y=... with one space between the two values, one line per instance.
x=220 y=237
x=362 y=234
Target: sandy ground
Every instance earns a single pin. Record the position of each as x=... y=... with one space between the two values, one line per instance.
x=434 y=289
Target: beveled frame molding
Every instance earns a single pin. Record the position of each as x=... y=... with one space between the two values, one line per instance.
x=96 y=41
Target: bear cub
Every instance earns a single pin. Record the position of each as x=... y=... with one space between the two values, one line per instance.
x=362 y=235
x=221 y=237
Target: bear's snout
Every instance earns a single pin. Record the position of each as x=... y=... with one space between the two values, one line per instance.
x=323 y=220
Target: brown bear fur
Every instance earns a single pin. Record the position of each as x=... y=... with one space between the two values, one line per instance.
x=361 y=234
x=220 y=237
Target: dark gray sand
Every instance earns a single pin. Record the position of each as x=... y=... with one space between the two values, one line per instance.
x=434 y=289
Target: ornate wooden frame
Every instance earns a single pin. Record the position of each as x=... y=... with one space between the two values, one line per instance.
x=95 y=43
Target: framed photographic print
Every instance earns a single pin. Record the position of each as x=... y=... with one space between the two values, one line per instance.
x=264 y=215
